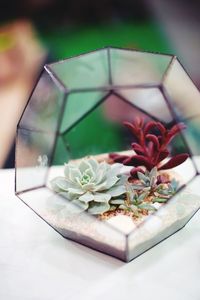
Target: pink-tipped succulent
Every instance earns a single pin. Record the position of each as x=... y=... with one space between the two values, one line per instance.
x=150 y=148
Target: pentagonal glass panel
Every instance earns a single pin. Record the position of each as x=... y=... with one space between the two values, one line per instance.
x=182 y=93
x=84 y=71
x=44 y=106
x=134 y=67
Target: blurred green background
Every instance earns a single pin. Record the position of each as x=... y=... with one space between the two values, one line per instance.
x=66 y=42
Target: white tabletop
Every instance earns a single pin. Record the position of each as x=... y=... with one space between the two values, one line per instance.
x=36 y=263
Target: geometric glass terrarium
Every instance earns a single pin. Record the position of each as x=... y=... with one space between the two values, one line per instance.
x=107 y=149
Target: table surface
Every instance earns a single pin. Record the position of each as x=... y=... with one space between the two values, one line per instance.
x=36 y=263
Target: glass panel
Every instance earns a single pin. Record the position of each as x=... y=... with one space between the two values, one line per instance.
x=61 y=153
x=67 y=219
x=183 y=94
x=78 y=105
x=33 y=153
x=132 y=67
x=84 y=71
x=187 y=170
x=192 y=137
x=150 y=100
x=44 y=106
x=168 y=219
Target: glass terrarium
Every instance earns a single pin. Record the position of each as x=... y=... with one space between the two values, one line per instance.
x=107 y=149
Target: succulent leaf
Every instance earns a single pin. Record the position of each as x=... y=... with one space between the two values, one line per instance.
x=174 y=161
x=143 y=178
x=117 y=201
x=141 y=197
x=123 y=206
x=147 y=206
x=98 y=208
x=82 y=205
x=159 y=200
x=134 y=171
x=154 y=139
x=163 y=154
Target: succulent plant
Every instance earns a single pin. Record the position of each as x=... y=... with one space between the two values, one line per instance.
x=150 y=148
x=150 y=183
x=91 y=185
x=142 y=193
x=164 y=191
x=134 y=202
x=137 y=200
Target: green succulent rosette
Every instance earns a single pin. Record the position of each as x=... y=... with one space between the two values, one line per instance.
x=91 y=185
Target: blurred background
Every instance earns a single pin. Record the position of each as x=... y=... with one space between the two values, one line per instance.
x=35 y=32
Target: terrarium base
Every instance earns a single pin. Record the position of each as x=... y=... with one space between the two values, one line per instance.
x=141 y=235
x=113 y=231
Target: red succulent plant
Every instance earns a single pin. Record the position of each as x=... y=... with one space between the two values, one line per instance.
x=150 y=148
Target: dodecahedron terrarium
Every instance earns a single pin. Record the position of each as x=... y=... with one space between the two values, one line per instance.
x=107 y=149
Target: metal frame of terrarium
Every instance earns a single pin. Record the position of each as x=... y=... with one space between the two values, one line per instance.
x=120 y=246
